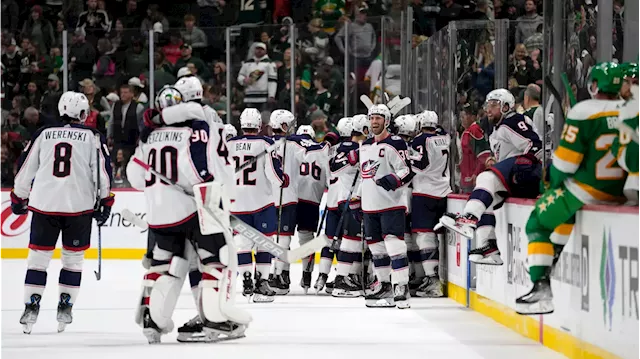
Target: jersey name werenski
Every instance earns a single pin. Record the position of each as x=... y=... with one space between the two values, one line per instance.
x=165 y=136
x=65 y=135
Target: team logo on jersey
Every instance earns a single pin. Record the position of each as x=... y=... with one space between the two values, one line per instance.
x=370 y=168
x=13 y=225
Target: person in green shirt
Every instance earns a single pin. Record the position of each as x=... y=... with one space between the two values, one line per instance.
x=330 y=11
x=321 y=97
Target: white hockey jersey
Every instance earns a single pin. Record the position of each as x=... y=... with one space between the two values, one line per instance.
x=190 y=154
x=514 y=136
x=431 y=165
x=342 y=175
x=314 y=171
x=57 y=170
x=188 y=110
x=378 y=159
x=254 y=185
x=296 y=149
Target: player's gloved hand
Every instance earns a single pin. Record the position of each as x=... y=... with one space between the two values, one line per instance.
x=285 y=180
x=353 y=157
x=332 y=138
x=389 y=182
x=102 y=213
x=152 y=118
x=18 y=205
x=356 y=208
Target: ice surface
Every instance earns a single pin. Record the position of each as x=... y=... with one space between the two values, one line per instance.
x=294 y=326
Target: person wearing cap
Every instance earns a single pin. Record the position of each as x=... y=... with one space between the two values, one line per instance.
x=138 y=90
x=259 y=78
x=82 y=57
x=330 y=11
x=50 y=98
x=186 y=57
x=362 y=42
x=13 y=125
x=38 y=29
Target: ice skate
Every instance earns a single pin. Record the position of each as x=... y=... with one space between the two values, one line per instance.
x=30 y=315
x=278 y=284
x=64 y=312
x=262 y=293
x=286 y=278
x=539 y=300
x=321 y=282
x=224 y=331
x=305 y=282
x=382 y=297
x=328 y=287
x=465 y=224
x=192 y=331
x=247 y=285
x=488 y=254
x=150 y=328
x=344 y=287
x=431 y=287
x=401 y=296
x=414 y=284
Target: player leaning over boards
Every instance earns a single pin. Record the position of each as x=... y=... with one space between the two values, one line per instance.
x=625 y=146
x=583 y=171
x=45 y=167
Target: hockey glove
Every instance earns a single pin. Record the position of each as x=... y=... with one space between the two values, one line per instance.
x=152 y=119
x=332 y=138
x=18 y=205
x=356 y=208
x=285 y=180
x=352 y=157
x=389 y=182
x=102 y=213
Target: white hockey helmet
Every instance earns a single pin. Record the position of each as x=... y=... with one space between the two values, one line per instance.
x=406 y=125
x=306 y=130
x=381 y=110
x=75 y=105
x=279 y=118
x=190 y=87
x=359 y=123
x=167 y=97
x=250 y=118
x=428 y=119
x=229 y=131
x=345 y=126
x=503 y=97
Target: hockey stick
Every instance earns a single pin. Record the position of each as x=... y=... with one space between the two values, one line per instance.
x=556 y=95
x=98 y=144
x=266 y=151
x=284 y=158
x=399 y=105
x=289 y=256
x=366 y=101
x=137 y=221
x=337 y=238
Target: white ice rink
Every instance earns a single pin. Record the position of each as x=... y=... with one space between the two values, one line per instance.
x=294 y=326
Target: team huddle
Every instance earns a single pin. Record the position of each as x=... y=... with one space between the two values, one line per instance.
x=214 y=195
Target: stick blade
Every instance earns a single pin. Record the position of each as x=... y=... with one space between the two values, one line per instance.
x=308 y=248
x=131 y=217
x=98 y=275
x=366 y=101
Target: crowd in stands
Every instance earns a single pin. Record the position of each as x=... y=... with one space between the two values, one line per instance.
x=108 y=56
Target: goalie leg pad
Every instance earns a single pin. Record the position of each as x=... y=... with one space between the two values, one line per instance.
x=36 y=277
x=213 y=206
x=71 y=273
x=165 y=292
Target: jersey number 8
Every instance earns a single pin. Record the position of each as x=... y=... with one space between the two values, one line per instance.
x=62 y=160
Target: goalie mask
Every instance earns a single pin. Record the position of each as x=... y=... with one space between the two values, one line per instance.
x=74 y=105
x=167 y=97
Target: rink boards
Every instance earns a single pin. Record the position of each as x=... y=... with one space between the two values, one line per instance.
x=595 y=283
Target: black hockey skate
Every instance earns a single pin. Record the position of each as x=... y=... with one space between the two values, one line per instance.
x=278 y=284
x=431 y=287
x=539 y=300
x=415 y=283
x=465 y=224
x=488 y=254
x=223 y=331
x=382 y=297
x=30 y=314
x=150 y=328
x=262 y=293
x=401 y=296
x=344 y=287
x=305 y=282
x=247 y=285
x=328 y=287
x=286 y=277
x=321 y=282
x=192 y=331
x=64 y=312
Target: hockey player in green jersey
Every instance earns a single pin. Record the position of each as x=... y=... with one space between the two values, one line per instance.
x=625 y=146
x=583 y=171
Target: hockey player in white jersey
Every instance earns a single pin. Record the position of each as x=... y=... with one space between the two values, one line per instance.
x=254 y=200
x=344 y=128
x=193 y=153
x=385 y=168
x=343 y=223
x=516 y=172
x=431 y=185
x=286 y=198
x=229 y=131
x=61 y=193
x=192 y=92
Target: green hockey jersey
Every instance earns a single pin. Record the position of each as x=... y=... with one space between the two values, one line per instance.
x=323 y=100
x=584 y=160
x=251 y=11
x=330 y=11
x=625 y=145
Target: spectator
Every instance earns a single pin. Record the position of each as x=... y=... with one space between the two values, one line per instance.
x=521 y=67
x=192 y=35
x=449 y=11
x=316 y=44
x=126 y=122
x=485 y=69
x=284 y=71
x=362 y=42
x=279 y=42
x=330 y=11
x=105 y=73
x=131 y=18
x=186 y=58
x=33 y=95
x=98 y=105
x=71 y=10
x=39 y=29
x=475 y=149
x=120 y=170
x=94 y=22
x=321 y=97
x=10 y=15
x=40 y=65
x=82 y=57
x=20 y=104
x=50 y=98
x=153 y=16
x=163 y=73
x=219 y=78
x=535 y=41
x=528 y=23
x=138 y=90
x=284 y=100
x=172 y=51
x=194 y=72
x=137 y=60
x=259 y=78
x=532 y=107
x=55 y=56
x=13 y=125
x=8 y=164
x=120 y=39
x=11 y=73
x=59 y=34
x=32 y=120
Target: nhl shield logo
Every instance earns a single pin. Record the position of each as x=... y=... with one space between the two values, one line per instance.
x=264 y=225
x=285 y=228
x=76 y=242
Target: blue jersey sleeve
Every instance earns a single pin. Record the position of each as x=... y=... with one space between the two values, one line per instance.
x=198 y=149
